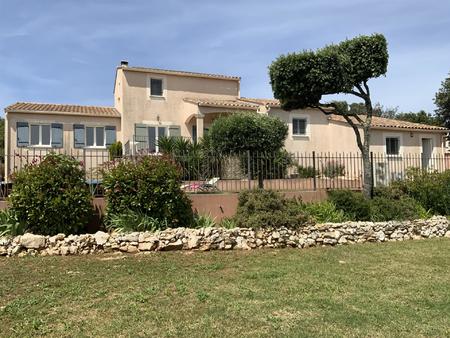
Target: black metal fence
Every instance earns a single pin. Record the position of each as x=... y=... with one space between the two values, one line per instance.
x=282 y=171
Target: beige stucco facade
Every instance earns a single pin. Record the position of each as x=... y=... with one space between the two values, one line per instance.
x=189 y=104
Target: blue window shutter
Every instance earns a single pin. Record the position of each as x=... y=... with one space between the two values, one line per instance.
x=23 y=134
x=78 y=135
x=110 y=135
x=57 y=135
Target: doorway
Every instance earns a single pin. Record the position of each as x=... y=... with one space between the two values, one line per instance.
x=427 y=150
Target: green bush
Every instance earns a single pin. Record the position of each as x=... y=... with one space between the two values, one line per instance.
x=51 y=197
x=404 y=208
x=268 y=165
x=204 y=221
x=430 y=189
x=333 y=169
x=306 y=172
x=150 y=185
x=135 y=221
x=115 y=150
x=324 y=212
x=268 y=209
x=389 y=203
x=9 y=226
x=354 y=205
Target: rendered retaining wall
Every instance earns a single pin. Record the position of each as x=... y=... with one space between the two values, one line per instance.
x=224 y=239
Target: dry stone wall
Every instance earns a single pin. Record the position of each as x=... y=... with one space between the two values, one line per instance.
x=224 y=239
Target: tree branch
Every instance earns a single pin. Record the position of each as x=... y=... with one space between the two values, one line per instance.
x=367 y=88
x=356 y=94
x=361 y=91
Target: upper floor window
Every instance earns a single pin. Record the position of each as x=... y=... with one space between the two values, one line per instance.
x=299 y=126
x=392 y=145
x=156 y=87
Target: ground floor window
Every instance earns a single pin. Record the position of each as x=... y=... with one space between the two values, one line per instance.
x=299 y=126
x=392 y=145
x=95 y=136
x=40 y=135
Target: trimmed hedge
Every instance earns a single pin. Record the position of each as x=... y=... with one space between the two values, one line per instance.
x=51 y=196
x=148 y=185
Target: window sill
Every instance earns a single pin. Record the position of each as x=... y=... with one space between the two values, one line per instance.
x=95 y=147
x=300 y=137
x=157 y=97
x=41 y=146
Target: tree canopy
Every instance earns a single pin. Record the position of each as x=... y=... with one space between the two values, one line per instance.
x=442 y=101
x=247 y=131
x=299 y=80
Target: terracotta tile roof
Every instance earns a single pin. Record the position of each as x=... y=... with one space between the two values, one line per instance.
x=66 y=109
x=272 y=103
x=180 y=72
x=382 y=123
x=219 y=103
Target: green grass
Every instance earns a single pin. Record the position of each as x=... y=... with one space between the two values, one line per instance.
x=390 y=289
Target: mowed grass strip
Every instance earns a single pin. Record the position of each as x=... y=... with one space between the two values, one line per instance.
x=390 y=289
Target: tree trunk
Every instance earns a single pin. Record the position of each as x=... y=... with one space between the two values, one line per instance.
x=367 y=169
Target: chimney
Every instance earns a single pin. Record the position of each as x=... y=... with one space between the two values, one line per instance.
x=124 y=63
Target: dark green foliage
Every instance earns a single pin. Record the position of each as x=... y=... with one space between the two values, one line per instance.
x=195 y=159
x=306 y=172
x=355 y=206
x=51 y=197
x=267 y=209
x=270 y=165
x=149 y=185
x=115 y=150
x=333 y=169
x=430 y=189
x=240 y=132
x=442 y=102
x=388 y=204
x=301 y=79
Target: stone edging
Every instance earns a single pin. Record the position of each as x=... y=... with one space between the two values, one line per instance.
x=224 y=239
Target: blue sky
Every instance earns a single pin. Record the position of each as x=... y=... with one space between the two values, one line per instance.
x=66 y=51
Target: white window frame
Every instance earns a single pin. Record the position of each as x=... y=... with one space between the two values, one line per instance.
x=166 y=131
x=291 y=125
x=149 y=87
x=40 y=145
x=95 y=146
x=400 y=143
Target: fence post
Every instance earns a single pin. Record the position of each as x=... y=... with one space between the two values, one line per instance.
x=249 y=171
x=314 y=171
x=373 y=174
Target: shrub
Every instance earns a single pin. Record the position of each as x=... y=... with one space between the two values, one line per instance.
x=306 y=172
x=389 y=203
x=204 y=221
x=266 y=208
x=115 y=150
x=150 y=185
x=228 y=223
x=430 y=189
x=51 y=197
x=9 y=226
x=323 y=212
x=266 y=165
x=354 y=205
x=333 y=169
x=403 y=208
x=135 y=221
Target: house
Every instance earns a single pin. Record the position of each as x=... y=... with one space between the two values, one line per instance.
x=150 y=103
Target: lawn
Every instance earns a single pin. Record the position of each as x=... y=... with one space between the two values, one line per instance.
x=389 y=289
